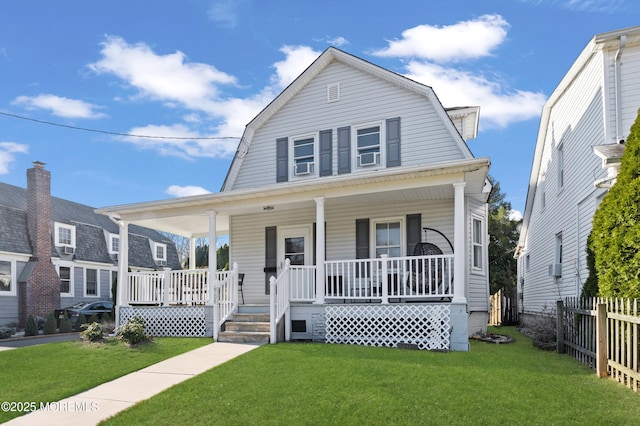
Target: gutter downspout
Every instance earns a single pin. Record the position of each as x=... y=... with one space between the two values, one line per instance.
x=618 y=89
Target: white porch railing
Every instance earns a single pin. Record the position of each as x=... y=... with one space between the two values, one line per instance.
x=411 y=277
x=279 y=298
x=186 y=287
x=225 y=300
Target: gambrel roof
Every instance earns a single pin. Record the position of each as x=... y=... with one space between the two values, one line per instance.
x=467 y=116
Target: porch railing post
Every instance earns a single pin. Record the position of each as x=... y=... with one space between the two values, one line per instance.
x=320 y=250
x=216 y=309
x=167 y=283
x=272 y=311
x=385 y=279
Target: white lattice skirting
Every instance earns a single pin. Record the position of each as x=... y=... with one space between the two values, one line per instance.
x=427 y=326
x=182 y=321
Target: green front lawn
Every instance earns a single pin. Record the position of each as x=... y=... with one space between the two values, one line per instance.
x=53 y=371
x=309 y=384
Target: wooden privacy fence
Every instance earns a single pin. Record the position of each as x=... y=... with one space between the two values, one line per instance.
x=503 y=307
x=603 y=334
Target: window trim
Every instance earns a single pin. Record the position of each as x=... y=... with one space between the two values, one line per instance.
x=155 y=251
x=316 y=155
x=557 y=256
x=71 y=278
x=59 y=226
x=112 y=238
x=13 y=291
x=372 y=231
x=97 y=295
x=481 y=244
x=355 y=163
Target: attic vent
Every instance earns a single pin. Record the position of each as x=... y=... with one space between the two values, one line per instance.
x=333 y=92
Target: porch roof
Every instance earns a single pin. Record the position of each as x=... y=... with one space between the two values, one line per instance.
x=189 y=217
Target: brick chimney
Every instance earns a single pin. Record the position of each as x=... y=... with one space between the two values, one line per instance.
x=40 y=295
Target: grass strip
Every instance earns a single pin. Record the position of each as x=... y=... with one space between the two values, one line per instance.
x=319 y=384
x=53 y=371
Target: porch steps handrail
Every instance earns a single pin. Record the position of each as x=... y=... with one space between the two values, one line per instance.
x=225 y=298
x=279 y=302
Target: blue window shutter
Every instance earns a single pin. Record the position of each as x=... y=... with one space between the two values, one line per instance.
x=393 y=142
x=270 y=255
x=326 y=142
x=282 y=162
x=362 y=246
x=414 y=232
x=344 y=150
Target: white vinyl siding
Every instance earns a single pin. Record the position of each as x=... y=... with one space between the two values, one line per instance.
x=577 y=122
x=363 y=99
x=247 y=238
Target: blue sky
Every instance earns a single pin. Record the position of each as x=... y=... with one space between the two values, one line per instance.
x=194 y=72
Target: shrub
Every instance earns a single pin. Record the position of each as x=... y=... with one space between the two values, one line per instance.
x=31 y=326
x=132 y=332
x=65 y=324
x=50 y=326
x=615 y=236
x=79 y=322
x=6 y=332
x=93 y=332
x=108 y=323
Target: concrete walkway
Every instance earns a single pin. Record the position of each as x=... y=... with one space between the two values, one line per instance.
x=97 y=404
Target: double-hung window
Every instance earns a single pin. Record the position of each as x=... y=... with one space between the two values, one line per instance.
x=64 y=272
x=7 y=286
x=160 y=253
x=368 y=146
x=91 y=282
x=114 y=244
x=304 y=155
x=65 y=235
x=478 y=244
x=388 y=238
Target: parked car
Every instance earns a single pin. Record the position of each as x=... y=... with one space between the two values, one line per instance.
x=99 y=308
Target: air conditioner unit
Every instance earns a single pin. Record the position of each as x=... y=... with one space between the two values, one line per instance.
x=303 y=169
x=555 y=270
x=68 y=250
x=369 y=159
x=161 y=262
x=115 y=256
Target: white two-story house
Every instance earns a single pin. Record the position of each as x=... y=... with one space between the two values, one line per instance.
x=355 y=212
x=580 y=143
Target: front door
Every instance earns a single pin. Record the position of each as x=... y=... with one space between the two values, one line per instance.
x=294 y=243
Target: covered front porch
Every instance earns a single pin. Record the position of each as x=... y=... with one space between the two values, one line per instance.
x=341 y=279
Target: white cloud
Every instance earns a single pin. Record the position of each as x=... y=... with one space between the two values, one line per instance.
x=461 y=41
x=180 y=141
x=225 y=12
x=498 y=107
x=186 y=191
x=167 y=78
x=59 y=106
x=425 y=48
x=515 y=215
x=7 y=151
x=338 y=41
x=297 y=59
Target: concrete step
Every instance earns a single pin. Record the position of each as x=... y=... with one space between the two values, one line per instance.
x=246 y=326
x=243 y=337
x=253 y=309
x=251 y=317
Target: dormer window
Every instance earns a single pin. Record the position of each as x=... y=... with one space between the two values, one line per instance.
x=160 y=253
x=368 y=146
x=114 y=244
x=304 y=155
x=65 y=236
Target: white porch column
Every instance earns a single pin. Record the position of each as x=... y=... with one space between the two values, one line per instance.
x=320 y=249
x=459 y=290
x=213 y=259
x=123 y=267
x=192 y=253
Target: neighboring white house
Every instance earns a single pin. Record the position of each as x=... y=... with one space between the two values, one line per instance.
x=580 y=141
x=355 y=188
